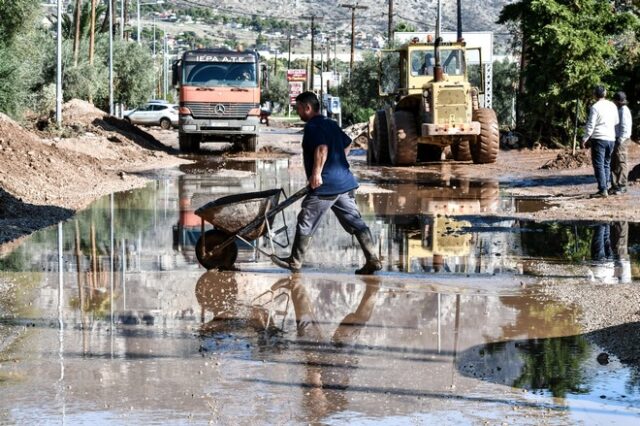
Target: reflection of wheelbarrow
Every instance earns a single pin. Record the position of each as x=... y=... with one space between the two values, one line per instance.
x=246 y=217
x=267 y=312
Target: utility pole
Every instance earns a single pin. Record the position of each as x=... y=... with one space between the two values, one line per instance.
x=313 y=36
x=289 y=58
x=122 y=5
x=59 y=63
x=353 y=8
x=390 y=27
x=459 y=23
x=111 y=3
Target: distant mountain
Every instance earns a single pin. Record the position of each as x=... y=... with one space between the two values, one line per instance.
x=478 y=15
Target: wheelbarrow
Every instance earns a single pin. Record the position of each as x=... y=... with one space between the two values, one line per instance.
x=245 y=217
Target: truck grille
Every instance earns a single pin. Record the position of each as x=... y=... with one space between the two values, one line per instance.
x=219 y=109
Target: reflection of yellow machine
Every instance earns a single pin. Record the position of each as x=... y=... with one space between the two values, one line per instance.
x=441 y=234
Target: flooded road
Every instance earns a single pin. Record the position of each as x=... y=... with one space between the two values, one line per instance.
x=109 y=319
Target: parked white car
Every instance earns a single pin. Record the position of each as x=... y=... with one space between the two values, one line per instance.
x=154 y=113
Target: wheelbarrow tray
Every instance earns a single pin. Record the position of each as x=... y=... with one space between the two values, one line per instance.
x=234 y=212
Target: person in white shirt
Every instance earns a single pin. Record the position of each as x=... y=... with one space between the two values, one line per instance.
x=600 y=131
x=619 y=156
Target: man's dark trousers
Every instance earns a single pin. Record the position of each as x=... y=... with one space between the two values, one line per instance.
x=601 y=151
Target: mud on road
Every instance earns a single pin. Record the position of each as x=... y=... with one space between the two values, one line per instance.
x=49 y=176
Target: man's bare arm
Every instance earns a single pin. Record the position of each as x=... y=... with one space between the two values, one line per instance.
x=319 y=158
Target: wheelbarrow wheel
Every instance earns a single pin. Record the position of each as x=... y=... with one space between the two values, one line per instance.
x=220 y=259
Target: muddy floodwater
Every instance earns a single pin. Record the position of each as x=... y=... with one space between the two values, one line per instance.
x=108 y=318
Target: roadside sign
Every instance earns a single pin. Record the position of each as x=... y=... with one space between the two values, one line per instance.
x=297 y=75
x=295 y=88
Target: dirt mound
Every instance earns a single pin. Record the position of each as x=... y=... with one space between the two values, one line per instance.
x=80 y=112
x=33 y=170
x=566 y=160
x=12 y=131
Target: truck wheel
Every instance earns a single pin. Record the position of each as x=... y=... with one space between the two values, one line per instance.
x=461 y=150
x=380 y=141
x=188 y=143
x=165 y=123
x=184 y=141
x=403 y=138
x=487 y=143
x=250 y=144
x=220 y=259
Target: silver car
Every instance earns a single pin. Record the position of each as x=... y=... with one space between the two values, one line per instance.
x=154 y=113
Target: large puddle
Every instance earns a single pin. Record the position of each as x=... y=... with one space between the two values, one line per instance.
x=109 y=318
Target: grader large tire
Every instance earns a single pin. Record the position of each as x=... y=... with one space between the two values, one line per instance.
x=487 y=143
x=461 y=150
x=403 y=138
x=379 y=145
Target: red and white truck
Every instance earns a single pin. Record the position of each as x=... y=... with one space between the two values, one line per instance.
x=219 y=97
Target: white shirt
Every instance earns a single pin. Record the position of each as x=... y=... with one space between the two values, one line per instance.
x=623 y=129
x=602 y=121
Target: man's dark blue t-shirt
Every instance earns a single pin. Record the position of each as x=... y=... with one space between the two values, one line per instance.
x=336 y=176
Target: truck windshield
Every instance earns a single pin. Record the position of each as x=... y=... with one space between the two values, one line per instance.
x=422 y=62
x=210 y=74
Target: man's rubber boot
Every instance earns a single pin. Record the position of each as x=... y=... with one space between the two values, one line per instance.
x=294 y=261
x=373 y=263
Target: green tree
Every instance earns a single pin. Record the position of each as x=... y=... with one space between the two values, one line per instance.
x=567 y=48
x=21 y=53
x=278 y=91
x=359 y=94
x=133 y=69
x=505 y=84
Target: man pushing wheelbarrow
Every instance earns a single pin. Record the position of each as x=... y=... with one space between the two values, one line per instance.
x=332 y=186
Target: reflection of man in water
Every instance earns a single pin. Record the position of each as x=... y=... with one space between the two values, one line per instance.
x=329 y=362
x=609 y=242
x=601 y=243
x=619 y=247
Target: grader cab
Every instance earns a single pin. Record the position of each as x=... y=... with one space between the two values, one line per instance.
x=434 y=107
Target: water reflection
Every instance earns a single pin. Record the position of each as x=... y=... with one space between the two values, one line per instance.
x=327 y=373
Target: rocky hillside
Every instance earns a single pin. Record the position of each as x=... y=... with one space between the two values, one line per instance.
x=479 y=15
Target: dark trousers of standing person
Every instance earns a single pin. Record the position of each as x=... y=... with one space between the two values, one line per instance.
x=601 y=151
x=619 y=166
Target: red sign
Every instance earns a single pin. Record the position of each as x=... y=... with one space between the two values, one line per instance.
x=295 y=88
x=297 y=75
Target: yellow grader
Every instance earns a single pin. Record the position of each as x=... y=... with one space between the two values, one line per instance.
x=434 y=107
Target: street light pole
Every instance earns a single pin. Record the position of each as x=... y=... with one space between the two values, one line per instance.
x=110 y=56
x=59 y=65
x=138 y=21
x=165 y=71
x=121 y=19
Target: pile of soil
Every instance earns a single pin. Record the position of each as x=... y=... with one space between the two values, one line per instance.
x=44 y=178
x=566 y=160
x=80 y=112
